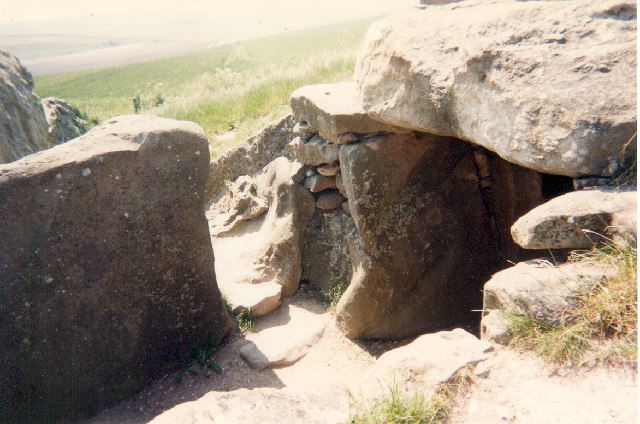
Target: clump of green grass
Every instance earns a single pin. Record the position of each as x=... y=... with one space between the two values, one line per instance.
x=246 y=320
x=396 y=408
x=603 y=324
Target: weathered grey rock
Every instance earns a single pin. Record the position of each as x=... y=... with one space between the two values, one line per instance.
x=264 y=246
x=326 y=261
x=304 y=131
x=241 y=203
x=335 y=109
x=263 y=405
x=23 y=127
x=424 y=244
x=315 y=152
x=106 y=267
x=318 y=183
x=540 y=289
x=550 y=86
x=329 y=170
x=578 y=220
x=329 y=200
x=423 y=364
x=63 y=123
x=251 y=156
x=280 y=346
x=494 y=328
x=259 y=299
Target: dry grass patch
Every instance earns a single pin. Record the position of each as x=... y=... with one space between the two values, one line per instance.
x=395 y=408
x=603 y=325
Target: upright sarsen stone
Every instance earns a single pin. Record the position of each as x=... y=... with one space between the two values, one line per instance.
x=106 y=267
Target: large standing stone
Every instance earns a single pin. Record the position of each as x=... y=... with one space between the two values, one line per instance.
x=63 y=123
x=259 y=237
x=578 y=220
x=423 y=233
x=335 y=109
x=550 y=86
x=23 y=127
x=251 y=156
x=106 y=267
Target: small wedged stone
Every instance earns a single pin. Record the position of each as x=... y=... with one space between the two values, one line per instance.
x=329 y=200
x=329 y=170
x=335 y=109
x=318 y=183
x=315 y=152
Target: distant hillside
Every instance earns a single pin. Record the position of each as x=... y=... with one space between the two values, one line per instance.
x=237 y=87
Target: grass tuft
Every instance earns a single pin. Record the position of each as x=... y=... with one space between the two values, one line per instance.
x=603 y=324
x=246 y=320
x=396 y=408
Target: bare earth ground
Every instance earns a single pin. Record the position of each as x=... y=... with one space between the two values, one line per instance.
x=518 y=388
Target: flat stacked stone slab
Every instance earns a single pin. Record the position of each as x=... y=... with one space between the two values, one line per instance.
x=550 y=86
x=335 y=109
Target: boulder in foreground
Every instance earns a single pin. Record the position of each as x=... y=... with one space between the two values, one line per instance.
x=106 y=267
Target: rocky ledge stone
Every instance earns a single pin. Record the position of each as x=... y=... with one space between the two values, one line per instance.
x=23 y=127
x=335 y=109
x=64 y=125
x=280 y=346
x=578 y=220
x=250 y=156
x=540 y=289
x=550 y=86
x=423 y=364
x=106 y=267
x=257 y=225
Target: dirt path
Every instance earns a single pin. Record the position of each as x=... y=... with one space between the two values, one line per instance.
x=518 y=388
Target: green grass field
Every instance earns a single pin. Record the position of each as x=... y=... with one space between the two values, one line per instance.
x=238 y=87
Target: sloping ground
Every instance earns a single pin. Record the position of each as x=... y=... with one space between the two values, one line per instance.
x=519 y=388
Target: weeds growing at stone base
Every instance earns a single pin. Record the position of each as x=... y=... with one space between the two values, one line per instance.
x=416 y=408
x=603 y=325
x=246 y=320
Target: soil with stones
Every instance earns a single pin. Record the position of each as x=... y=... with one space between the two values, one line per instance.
x=511 y=387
